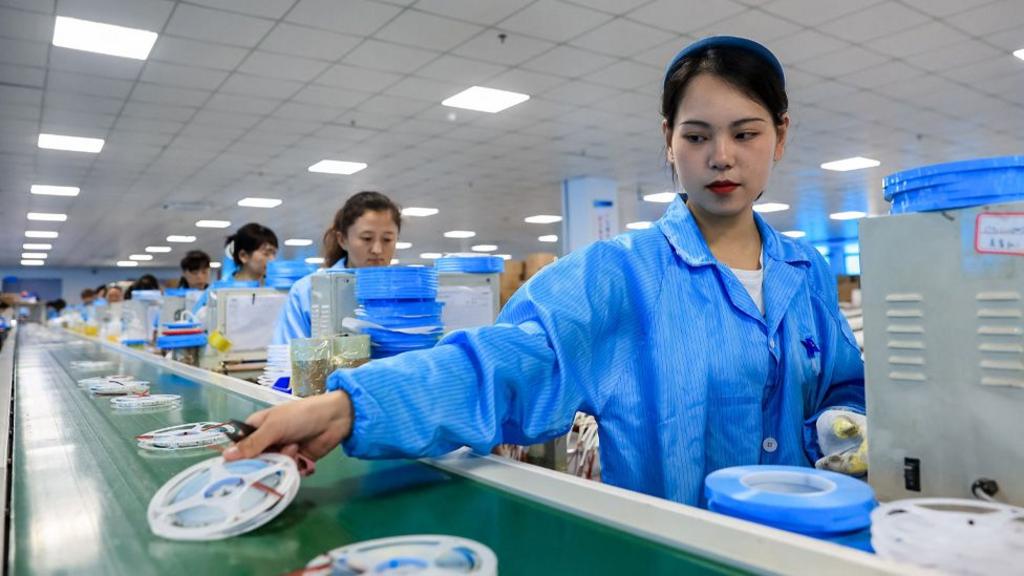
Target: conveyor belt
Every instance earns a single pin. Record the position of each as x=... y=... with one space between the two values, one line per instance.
x=81 y=489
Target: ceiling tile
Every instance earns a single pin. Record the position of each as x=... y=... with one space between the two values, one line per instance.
x=554 y=20
x=805 y=45
x=356 y=78
x=22 y=75
x=928 y=36
x=524 y=81
x=954 y=55
x=23 y=52
x=622 y=38
x=876 y=21
x=569 y=62
x=487 y=12
x=842 y=62
x=513 y=50
x=423 y=89
x=335 y=98
x=812 y=12
x=459 y=70
x=182 y=76
x=990 y=18
x=246 y=85
x=246 y=104
x=617 y=7
x=887 y=73
x=280 y=66
x=427 y=30
x=753 y=24
x=22 y=25
x=217 y=26
x=64 y=81
x=357 y=17
x=579 y=93
x=196 y=53
x=309 y=42
x=159 y=94
x=272 y=9
x=628 y=75
x=942 y=8
x=388 y=57
x=684 y=17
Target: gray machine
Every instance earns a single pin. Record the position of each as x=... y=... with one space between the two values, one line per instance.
x=944 y=352
x=240 y=323
x=470 y=300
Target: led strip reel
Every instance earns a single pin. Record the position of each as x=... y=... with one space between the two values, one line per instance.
x=145 y=401
x=427 y=555
x=119 y=387
x=183 y=437
x=215 y=499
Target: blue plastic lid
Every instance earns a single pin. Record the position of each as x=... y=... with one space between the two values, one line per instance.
x=182 y=325
x=470 y=264
x=235 y=284
x=396 y=283
x=133 y=342
x=804 y=500
x=955 y=185
x=289 y=268
x=179 y=291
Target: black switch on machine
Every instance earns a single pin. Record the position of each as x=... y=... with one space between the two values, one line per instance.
x=912 y=474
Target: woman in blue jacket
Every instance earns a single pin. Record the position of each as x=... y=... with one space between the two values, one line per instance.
x=364 y=233
x=706 y=341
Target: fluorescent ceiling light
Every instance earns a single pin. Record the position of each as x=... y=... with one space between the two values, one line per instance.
x=419 y=212
x=459 y=234
x=70 y=143
x=34 y=255
x=103 y=38
x=47 y=217
x=504 y=256
x=141 y=257
x=484 y=248
x=847 y=164
x=158 y=249
x=660 y=197
x=640 y=225
x=850 y=215
x=1019 y=53
x=252 y=202
x=484 y=99
x=403 y=245
x=44 y=190
x=395 y=261
x=212 y=223
x=314 y=260
x=33 y=262
x=214 y=264
x=31 y=246
x=40 y=234
x=337 y=167
x=298 y=242
x=430 y=255
x=181 y=239
x=542 y=219
x=766 y=207
x=794 y=233
x=127 y=263
x=548 y=238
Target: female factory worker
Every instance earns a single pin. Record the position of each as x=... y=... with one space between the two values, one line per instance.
x=364 y=233
x=251 y=247
x=706 y=341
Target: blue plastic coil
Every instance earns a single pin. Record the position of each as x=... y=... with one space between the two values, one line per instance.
x=805 y=500
x=955 y=185
x=183 y=341
x=396 y=283
x=470 y=264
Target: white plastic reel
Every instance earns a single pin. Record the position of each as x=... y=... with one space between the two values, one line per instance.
x=89 y=365
x=119 y=387
x=149 y=401
x=426 y=555
x=215 y=499
x=182 y=437
x=86 y=382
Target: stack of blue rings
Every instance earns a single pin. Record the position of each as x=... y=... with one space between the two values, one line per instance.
x=476 y=264
x=182 y=335
x=281 y=274
x=817 y=503
x=956 y=185
x=399 y=299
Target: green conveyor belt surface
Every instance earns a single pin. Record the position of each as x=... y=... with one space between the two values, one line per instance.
x=81 y=488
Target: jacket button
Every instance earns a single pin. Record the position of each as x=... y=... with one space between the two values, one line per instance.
x=769 y=445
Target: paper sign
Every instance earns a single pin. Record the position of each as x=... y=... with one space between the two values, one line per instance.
x=466 y=306
x=999 y=233
x=249 y=322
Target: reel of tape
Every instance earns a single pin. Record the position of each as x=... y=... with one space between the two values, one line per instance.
x=182 y=437
x=119 y=387
x=145 y=401
x=430 y=555
x=91 y=365
x=86 y=382
x=214 y=499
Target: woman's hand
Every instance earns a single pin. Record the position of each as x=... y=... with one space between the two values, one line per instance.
x=311 y=426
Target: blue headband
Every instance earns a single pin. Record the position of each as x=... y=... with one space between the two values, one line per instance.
x=725 y=42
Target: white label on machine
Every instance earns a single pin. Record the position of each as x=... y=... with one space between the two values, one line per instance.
x=466 y=306
x=999 y=233
x=249 y=321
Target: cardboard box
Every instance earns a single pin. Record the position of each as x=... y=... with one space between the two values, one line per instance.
x=513 y=274
x=846 y=286
x=536 y=261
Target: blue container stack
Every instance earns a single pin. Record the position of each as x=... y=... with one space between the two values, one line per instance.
x=956 y=185
x=182 y=335
x=402 y=301
x=281 y=274
x=473 y=264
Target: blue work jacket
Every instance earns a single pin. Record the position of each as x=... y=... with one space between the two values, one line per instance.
x=653 y=336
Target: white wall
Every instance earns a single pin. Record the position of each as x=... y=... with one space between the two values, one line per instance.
x=74 y=280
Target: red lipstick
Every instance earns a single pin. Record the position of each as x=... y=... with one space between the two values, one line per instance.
x=722 y=187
